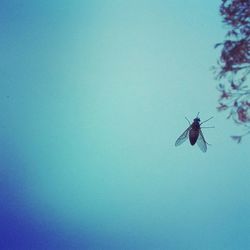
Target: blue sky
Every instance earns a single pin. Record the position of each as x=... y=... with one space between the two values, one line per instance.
x=93 y=97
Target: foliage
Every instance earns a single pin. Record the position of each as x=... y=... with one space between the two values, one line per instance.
x=234 y=63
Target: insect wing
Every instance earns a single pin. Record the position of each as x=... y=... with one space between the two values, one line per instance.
x=183 y=137
x=201 y=142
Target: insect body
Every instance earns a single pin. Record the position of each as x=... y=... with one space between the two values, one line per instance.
x=195 y=135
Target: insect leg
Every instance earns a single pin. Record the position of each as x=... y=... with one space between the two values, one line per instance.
x=187 y=120
x=207 y=120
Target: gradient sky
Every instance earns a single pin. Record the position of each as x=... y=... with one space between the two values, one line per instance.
x=93 y=96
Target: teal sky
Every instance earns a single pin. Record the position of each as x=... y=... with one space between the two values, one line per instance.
x=93 y=96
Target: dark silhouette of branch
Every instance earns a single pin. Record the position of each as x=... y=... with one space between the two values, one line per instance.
x=233 y=66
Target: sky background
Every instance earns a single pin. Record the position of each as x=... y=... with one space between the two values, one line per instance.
x=93 y=95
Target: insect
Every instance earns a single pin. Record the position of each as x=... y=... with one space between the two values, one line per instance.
x=195 y=134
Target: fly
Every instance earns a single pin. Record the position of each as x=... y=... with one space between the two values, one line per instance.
x=194 y=133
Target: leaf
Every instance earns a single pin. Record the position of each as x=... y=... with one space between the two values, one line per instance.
x=237 y=138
